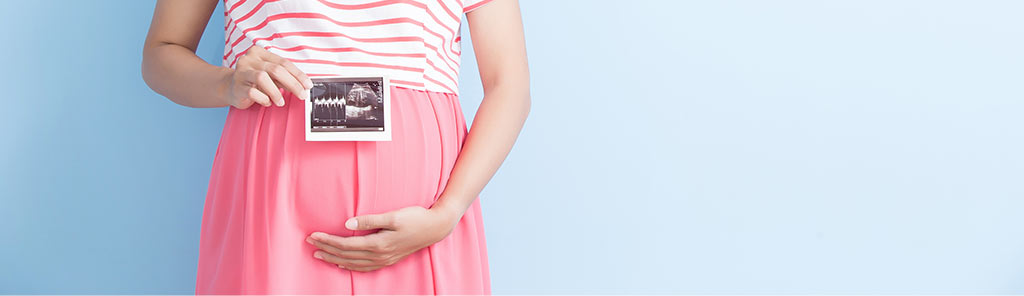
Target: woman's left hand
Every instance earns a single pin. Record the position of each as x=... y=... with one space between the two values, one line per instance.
x=402 y=232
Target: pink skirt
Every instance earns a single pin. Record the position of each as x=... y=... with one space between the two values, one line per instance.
x=270 y=189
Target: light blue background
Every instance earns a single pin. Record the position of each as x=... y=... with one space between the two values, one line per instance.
x=673 y=147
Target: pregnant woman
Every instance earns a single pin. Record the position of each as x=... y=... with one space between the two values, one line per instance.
x=284 y=215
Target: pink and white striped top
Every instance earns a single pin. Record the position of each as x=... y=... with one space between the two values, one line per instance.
x=414 y=42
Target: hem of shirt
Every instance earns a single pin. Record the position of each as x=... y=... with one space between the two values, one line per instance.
x=426 y=90
x=467 y=9
x=422 y=89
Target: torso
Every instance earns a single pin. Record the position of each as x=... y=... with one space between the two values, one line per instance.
x=414 y=42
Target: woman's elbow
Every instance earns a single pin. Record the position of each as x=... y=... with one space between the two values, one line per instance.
x=148 y=69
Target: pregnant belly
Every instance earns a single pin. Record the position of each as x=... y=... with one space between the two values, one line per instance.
x=266 y=169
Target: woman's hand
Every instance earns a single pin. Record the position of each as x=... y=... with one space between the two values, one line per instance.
x=402 y=232
x=258 y=77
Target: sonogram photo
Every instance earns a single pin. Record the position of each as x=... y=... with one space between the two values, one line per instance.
x=348 y=109
x=347 y=106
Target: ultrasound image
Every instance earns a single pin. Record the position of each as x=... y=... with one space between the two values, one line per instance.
x=347 y=106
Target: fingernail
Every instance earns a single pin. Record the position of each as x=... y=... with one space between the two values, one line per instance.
x=308 y=83
x=309 y=240
x=352 y=223
x=318 y=256
x=318 y=235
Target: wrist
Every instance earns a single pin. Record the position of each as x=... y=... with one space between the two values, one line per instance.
x=224 y=83
x=449 y=212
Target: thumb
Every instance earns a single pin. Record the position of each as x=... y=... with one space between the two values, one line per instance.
x=367 y=222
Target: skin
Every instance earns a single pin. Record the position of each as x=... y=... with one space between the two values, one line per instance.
x=170 y=67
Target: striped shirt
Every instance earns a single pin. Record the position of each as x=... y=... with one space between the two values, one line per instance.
x=416 y=43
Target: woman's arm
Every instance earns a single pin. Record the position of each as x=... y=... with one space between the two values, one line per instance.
x=500 y=47
x=497 y=33
x=171 y=68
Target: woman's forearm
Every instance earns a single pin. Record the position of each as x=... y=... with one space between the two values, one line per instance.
x=177 y=73
x=495 y=128
x=500 y=47
x=169 y=62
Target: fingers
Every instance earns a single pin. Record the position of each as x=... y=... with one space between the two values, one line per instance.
x=266 y=84
x=299 y=76
x=269 y=73
x=352 y=254
x=351 y=243
x=367 y=222
x=258 y=96
x=286 y=79
x=355 y=252
x=347 y=263
x=250 y=93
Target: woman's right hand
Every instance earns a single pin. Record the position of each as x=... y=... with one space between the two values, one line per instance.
x=259 y=76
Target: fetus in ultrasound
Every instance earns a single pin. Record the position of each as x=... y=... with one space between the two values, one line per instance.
x=361 y=102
